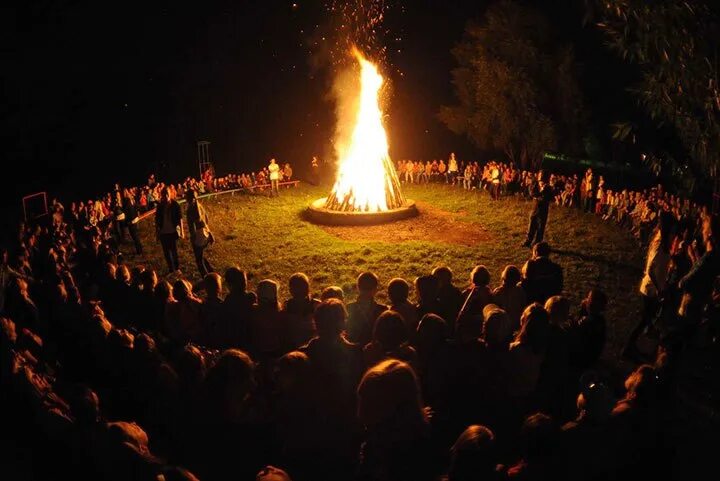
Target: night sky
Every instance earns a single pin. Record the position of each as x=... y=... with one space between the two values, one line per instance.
x=98 y=92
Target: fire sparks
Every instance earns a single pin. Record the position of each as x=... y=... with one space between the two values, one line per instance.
x=366 y=179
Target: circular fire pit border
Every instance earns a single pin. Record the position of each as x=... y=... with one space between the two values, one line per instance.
x=318 y=214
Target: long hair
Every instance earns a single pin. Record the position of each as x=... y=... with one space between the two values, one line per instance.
x=389 y=393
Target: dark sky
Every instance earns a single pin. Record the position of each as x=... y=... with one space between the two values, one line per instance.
x=97 y=91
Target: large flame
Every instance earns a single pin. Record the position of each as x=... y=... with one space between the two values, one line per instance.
x=366 y=179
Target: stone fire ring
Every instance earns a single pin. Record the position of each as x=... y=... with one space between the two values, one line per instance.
x=318 y=214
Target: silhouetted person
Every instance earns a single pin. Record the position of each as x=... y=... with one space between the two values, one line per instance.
x=169 y=228
x=200 y=235
x=543 y=278
x=363 y=312
x=542 y=195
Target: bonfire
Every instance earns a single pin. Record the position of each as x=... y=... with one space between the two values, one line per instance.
x=366 y=178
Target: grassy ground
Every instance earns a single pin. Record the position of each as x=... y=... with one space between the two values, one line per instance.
x=269 y=238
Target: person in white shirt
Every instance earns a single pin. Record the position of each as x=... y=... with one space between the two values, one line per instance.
x=452 y=169
x=274 y=169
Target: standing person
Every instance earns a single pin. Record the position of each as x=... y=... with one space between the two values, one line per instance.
x=274 y=169
x=169 y=228
x=543 y=196
x=652 y=286
x=452 y=170
x=494 y=181
x=200 y=235
x=314 y=171
x=131 y=219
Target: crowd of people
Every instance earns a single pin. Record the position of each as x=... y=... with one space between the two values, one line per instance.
x=123 y=375
x=636 y=210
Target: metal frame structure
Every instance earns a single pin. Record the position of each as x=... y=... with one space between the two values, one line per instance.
x=204 y=162
x=27 y=198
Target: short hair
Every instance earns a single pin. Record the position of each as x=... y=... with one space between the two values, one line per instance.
x=480 y=276
x=443 y=274
x=426 y=287
x=541 y=249
x=367 y=281
x=213 y=282
x=511 y=275
x=267 y=291
x=390 y=330
x=330 y=317
x=398 y=290
x=332 y=292
x=558 y=309
x=432 y=327
x=299 y=285
x=236 y=279
x=233 y=368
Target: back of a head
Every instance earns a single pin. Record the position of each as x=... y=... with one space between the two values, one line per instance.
x=367 y=282
x=558 y=310
x=332 y=292
x=176 y=473
x=534 y=328
x=431 y=330
x=236 y=279
x=596 y=301
x=444 y=275
x=299 y=285
x=182 y=290
x=511 y=276
x=641 y=385
x=123 y=274
x=213 y=284
x=596 y=401
x=541 y=249
x=234 y=370
x=540 y=435
x=267 y=292
x=85 y=406
x=496 y=328
x=390 y=330
x=480 y=276
x=149 y=280
x=164 y=291
x=398 y=291
x=473 y=456
x=390 y=391
x=427 y=287
x=330 y=317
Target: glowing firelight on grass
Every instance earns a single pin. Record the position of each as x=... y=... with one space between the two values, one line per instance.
x=366 y=178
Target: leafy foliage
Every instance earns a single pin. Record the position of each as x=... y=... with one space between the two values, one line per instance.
x=516 y=90
x=675 y=44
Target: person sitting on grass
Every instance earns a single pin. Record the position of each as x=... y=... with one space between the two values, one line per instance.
x=363 y=312
x=449 y=297
x=510 y=295
x=542 y=278
x=390 y=340
x=477 y=296
x=238 y=305
x=299 y=310
x=427 y=292
x=398 y=292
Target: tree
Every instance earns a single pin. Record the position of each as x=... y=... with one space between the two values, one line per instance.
x=675 y=44
x=516 y=89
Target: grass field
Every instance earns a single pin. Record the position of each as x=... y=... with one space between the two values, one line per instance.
x=269 y=238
